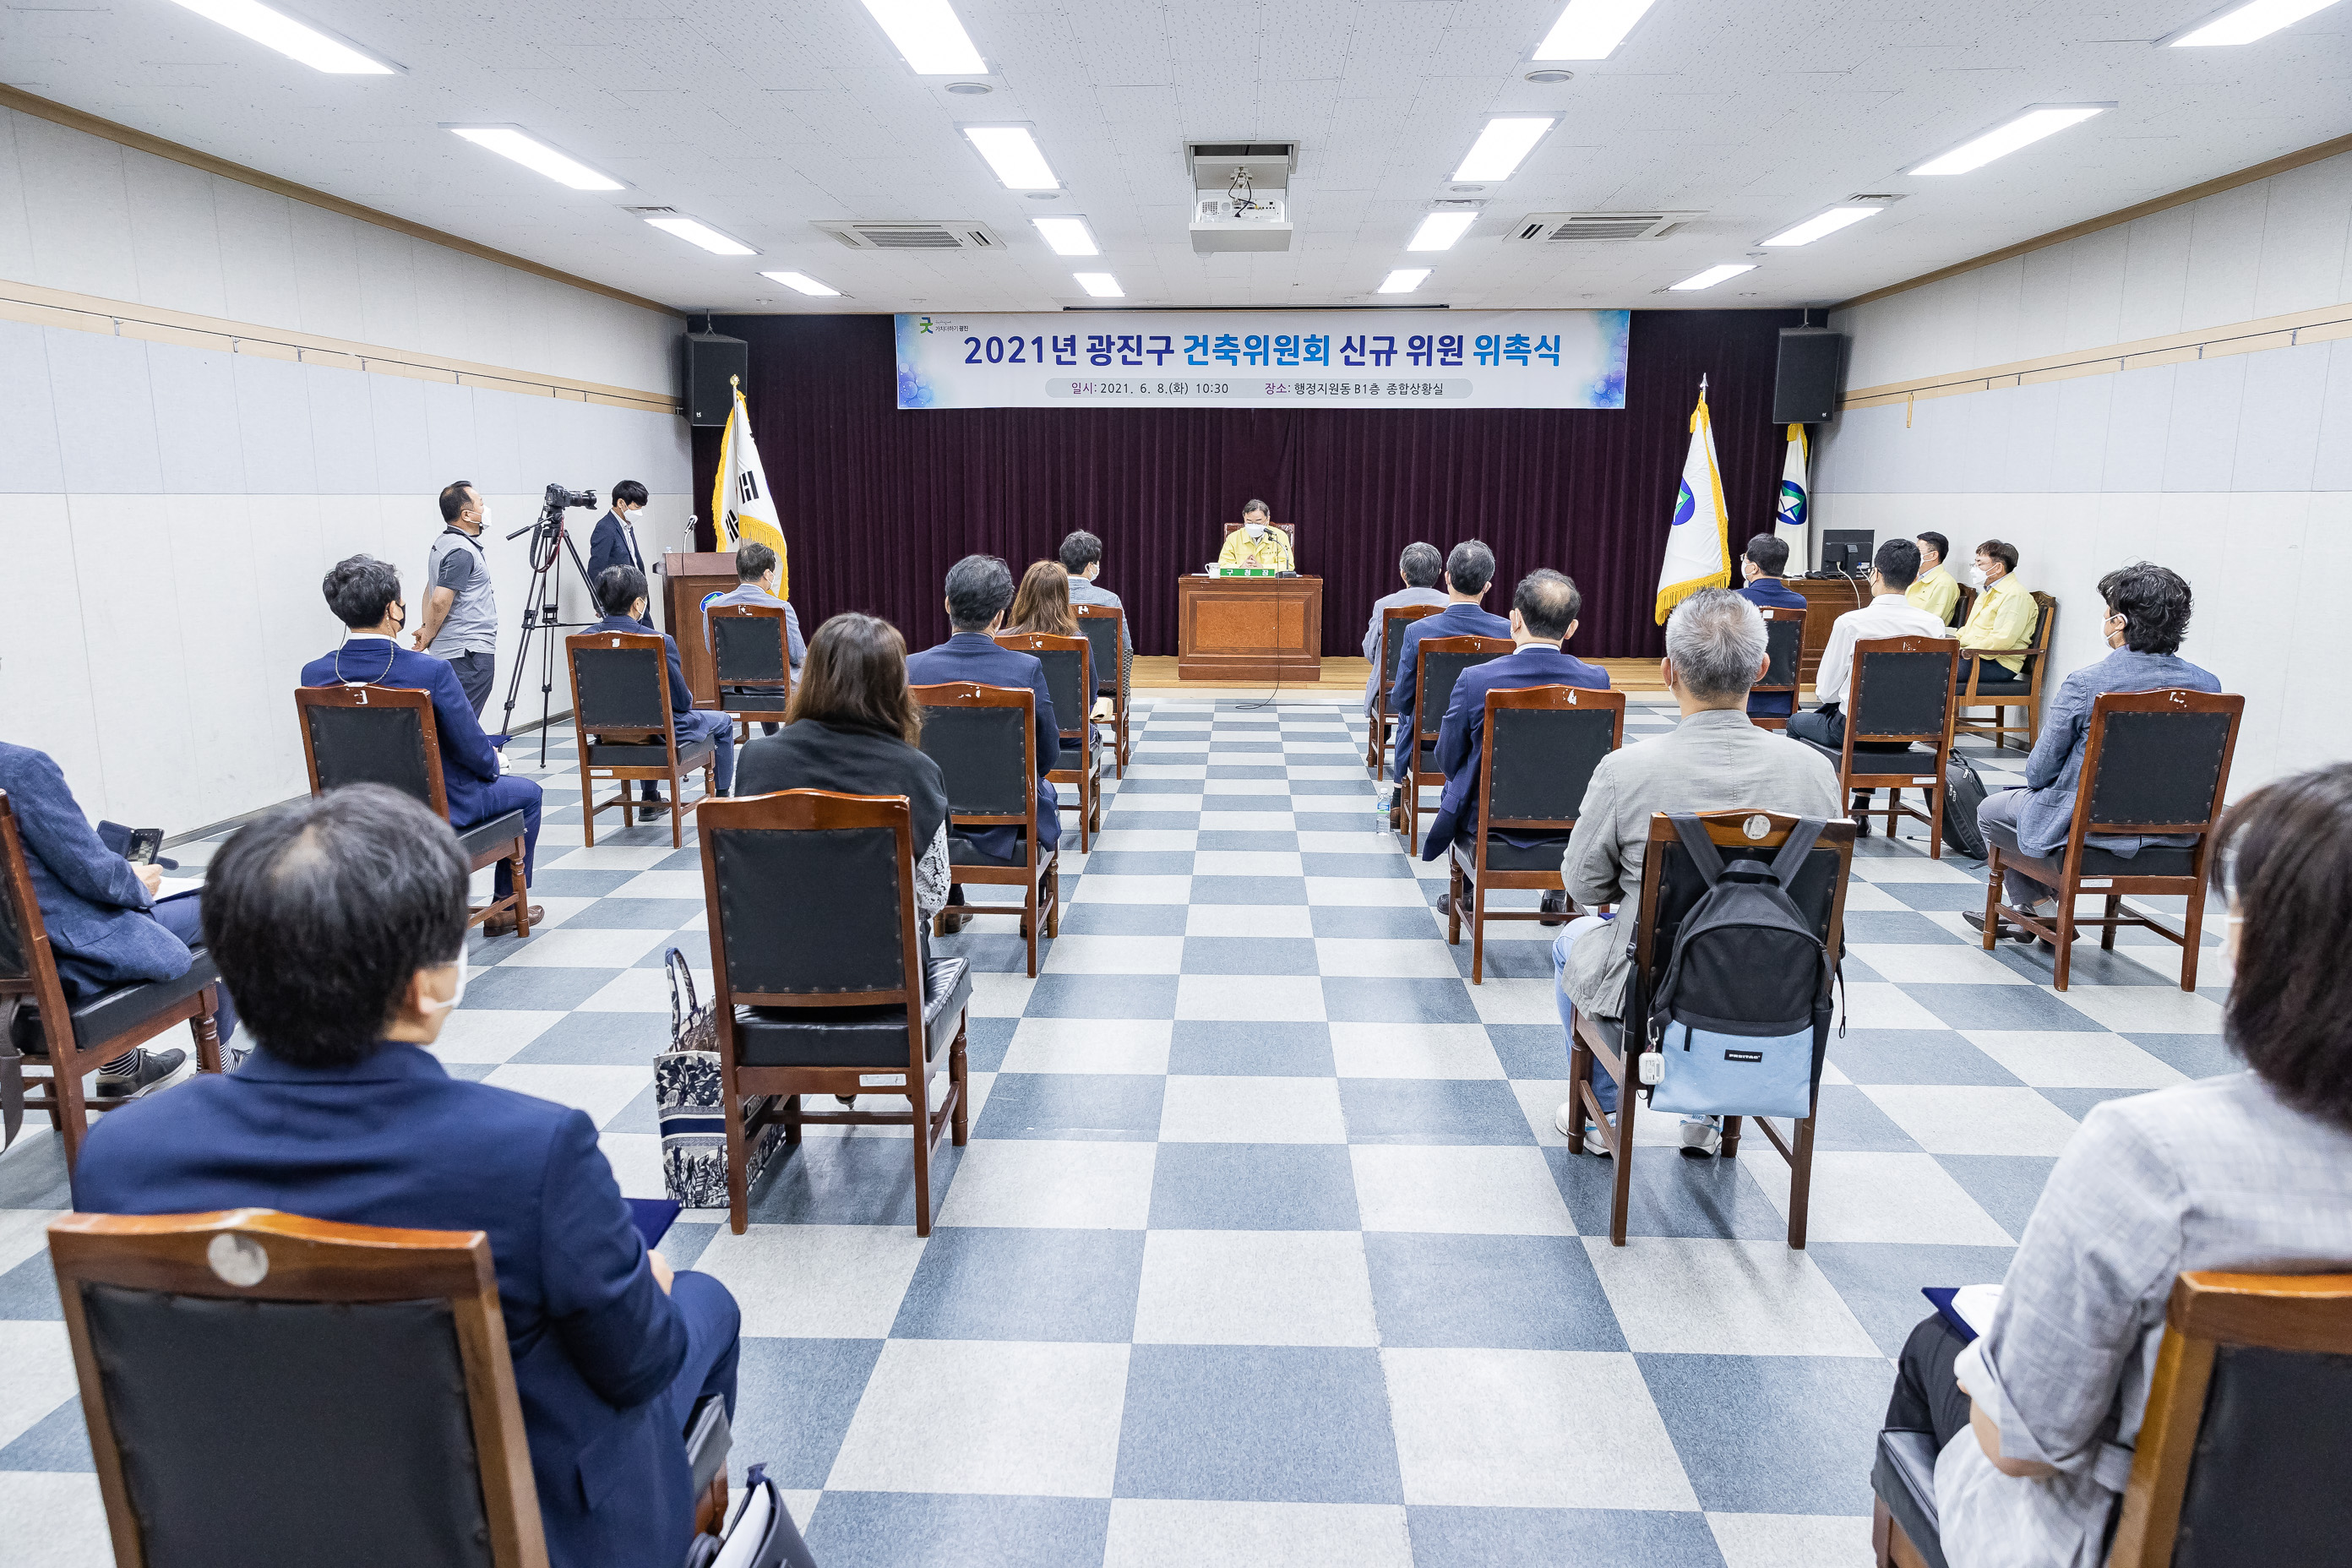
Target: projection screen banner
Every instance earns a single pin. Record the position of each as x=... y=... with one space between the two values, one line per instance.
x=1329 y=359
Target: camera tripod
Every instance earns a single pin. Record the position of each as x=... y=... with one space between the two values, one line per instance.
x=550 y=543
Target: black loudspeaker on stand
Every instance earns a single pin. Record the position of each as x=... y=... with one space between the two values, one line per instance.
x=713 y=364
x=1809 y=378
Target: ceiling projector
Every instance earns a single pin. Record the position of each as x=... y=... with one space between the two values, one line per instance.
x=1241 y=198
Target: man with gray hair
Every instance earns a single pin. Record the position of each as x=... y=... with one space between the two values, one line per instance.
x=1714 y=759
x=1420 y=566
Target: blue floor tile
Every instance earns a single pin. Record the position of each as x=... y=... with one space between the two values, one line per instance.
x=694 y=946
x=2006 y=1186
x=58 y=1441
x=1140 y=863
x=28 y=1292
x=1381 y=922
x=2197 y=1055
x=1383 y=867
x=1249 y=890
x=1560 y=1538
x=794 y=1400
x=1915 y=1055
x=922 y=1530
x=1241 y=955
x=1394 y=1001
x=550 y=884
x=985 y=1042
x=1122 y=920
x=1670 y=1197
x=1531 y=1051
x=1102 y=997
x=522 y=986
x=1258 y=1421
x=1880 y=1281
x=1274 y=1050
x=2000 y=1007
x=1253 y=1186
x=848 y=1180
x=1283 y=842
x=1070 y=1105
x=1432 y=1110
x=634 y=914
x=1847 y=1119
x=1894 y=926
x=1500 y=1292
x=1010 y=1283
x=1146 y=819
x=1773 y=1434
x=597 y=1039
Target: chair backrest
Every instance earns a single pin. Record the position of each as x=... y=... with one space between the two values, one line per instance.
x=1068 y=681
x=620 y=682
x=1784 y=642
x=1902 y=690
x=775 y=940
x=2241 y=1458
x=2037 y=645
x=2157 y=762
x=372 y=734
x=1393 y=622
x=1962 y=607
x=1441 y=662
x=1670 y=882
x=263 y=1388
x=1105 y=630
x=1542 y=744
x=984 y=740
x=748 y=646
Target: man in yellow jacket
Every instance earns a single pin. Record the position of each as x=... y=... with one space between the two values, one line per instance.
x=1257 y=542
x=2001 y=627
x=1934 y=590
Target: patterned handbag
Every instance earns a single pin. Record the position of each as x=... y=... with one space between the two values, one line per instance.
x=686 y=1090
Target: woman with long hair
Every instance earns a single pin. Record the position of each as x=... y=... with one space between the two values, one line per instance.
x=1042 y=603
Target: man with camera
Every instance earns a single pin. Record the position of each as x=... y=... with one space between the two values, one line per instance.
x=461 y=606
x=614 y=541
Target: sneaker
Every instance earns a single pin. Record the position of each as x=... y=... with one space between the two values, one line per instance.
x=1562 y=1122
x=1701 y=1137
x=148 y=1070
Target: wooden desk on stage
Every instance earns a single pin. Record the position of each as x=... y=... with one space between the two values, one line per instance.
x=1249 y=628
x=1826 y=598
x=686 y=581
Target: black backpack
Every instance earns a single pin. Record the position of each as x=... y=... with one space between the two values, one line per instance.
x=1964 y=791
x=1740 y=1021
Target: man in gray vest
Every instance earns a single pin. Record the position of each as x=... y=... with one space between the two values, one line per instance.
x=461 y=608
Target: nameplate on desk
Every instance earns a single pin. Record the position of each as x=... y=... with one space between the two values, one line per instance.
x=1245 y=571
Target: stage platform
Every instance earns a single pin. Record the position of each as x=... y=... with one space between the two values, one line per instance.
x=1344 y=675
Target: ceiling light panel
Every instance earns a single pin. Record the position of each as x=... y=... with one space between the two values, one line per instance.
x=1403 y=280
x=513 y=141
x=928 y=36
x=696 y=232
x=2242 y=25
x=1438 y=231
x=1830 y=222
x=295 y=40
x=1068 y=236
x=2042 y=120
x=1101 y=285
x=1502 y=146
x=1014 y=155
x=1713 y=275
x=1590 y=29
x=803 y=283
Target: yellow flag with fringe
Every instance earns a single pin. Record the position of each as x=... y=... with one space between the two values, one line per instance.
x=745 y=511
x=1698 y=541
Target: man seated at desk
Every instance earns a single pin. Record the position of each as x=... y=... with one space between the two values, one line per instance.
x=1257 y=542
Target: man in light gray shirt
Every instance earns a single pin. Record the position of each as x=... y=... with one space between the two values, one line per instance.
x=1714 y=759
x=1081 y=556
x=1421 y=566
x=461 y=606
x=756 y=573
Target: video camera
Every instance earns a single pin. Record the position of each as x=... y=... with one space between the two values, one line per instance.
x=559 y=498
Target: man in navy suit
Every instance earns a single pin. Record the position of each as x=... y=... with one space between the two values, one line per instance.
x=365 y=594
x=342 y=923
x=1544 y=609
x=1469 y=568
x=614 y=541
x=106 y=926
x=978 y=589
x=621 y=594
x=1766 y=560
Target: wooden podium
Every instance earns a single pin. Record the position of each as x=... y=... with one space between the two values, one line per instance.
x=1249 y=628
x=686 y=581
x=1826 y=598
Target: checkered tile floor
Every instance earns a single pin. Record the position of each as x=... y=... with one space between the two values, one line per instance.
x=1264 y=1249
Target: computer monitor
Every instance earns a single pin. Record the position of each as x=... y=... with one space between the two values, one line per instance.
x=1846 y=551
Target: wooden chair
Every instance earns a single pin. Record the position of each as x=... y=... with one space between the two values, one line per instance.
x=834 y=994
x=2155 y=764
x=1541 y=745
x=2022 y=691
x=1670 y=885
x=77 y=1038
x=750 y=663
x=1962 y=607
x=1069 y=678
x=1393 y=622
x=2244 y=1442
x=387 y=735
x=1438 y=664
x=1901 y=693
x=621 y=713
x=1784 y=636
x=1105 y=630
x=263 y=1388
x=984 y=740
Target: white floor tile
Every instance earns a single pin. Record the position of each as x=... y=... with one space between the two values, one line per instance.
x=2146 y=1009
x=40 y=1374
x=1246 y=863
x=994 y=1417
x=1233 y=1109
x=1249 y=919
x=1215 y=821
x=1882 y=1197
x=1146 y=839
x=602 y=1093
x=1516 y=1001
x=1792 y=1540
x=1369 y=957
x=662 y=885
x=24 y=1232
x=2072 y=1060
x=490 y=1033
x=1461 y=1189
x=1880 y=1004
x=1089 y=1045
x=1045 y=1184
x=1413 y=1050
x=1255 y=1287
x=1150 y=1533
x=1926 y=964
x=1115 y=955
x=1260 y=999
x=815 y=1281
x=642 y=991
x=1710 y=1296
x=596 y=948
x=1364 y=892
x=612 y=857
x=56 y=1520
x=1001 y=995
x=1102 y=888
x=1974 y=1118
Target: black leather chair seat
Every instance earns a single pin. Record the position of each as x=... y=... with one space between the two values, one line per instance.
x=1504 y=857
x=603 y=756
x=2015 y=685
x=1073 y=759
x=485 y=837
x=853 y=1037
x=109 y=1014
x=762 y=700
x=2153 y=860
x=1904 y=1479
x=963 y=851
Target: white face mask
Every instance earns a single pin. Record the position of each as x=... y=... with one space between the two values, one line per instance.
x=484 y=524
x=464 y=968
x=1254 y=530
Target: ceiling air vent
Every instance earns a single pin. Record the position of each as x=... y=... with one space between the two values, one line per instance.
x=1587 y=228
x=933 y=235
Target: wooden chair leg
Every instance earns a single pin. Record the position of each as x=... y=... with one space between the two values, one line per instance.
x=2192 y=933
x=2066 y=934
x=739 y=1180
x=1478 y=934
x=1801 y=1180
x=207 y=1029
x=792 y=1120
x=1729 y=1148
x=587 y=807
x=1580 y=1071
x=918 y=1101
x=958 y=1080
x=1030 y=919
x=1621 y=1197
x=521 y=888
x=1992 y=896
x=2108 y=933
x=1935 y=794
x=1452 y=902
x=69 y=1110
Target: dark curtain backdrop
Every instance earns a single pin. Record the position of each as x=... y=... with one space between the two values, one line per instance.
x=878 y=503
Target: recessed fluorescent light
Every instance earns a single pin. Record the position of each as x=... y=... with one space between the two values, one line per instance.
x=930 y=36
x=1013 y=153
x=703 y=235
x=1714 y=275
x=1590 y=29
x=1438 y=231
x=804 y=283
x=1101 y=285
x=2042 y=120
x=1403 y=280
x=295 y=40
x=1501 y=146
x=2242 y=25
x=1830 y=222
x=510 y=142
x=1068 y=236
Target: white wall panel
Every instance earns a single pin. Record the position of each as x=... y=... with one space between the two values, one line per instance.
x=105 y=414
x=2306 y=229
x=2333 y=469
x=78 y=209
x=273 y=410
x=29 y=457
x=173 y=235
x=2155 y=274
x=2277 y=439
x=2201 y=441
x=342 y=430
x=256 y=238
x=2225 y=257
x=197 y=423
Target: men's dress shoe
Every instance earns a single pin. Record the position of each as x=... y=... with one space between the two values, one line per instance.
x=2007 y=932
x=1444 y=903
x=1555 y=910
x=953 y=920
x=503 y=923
x=148 y=1070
